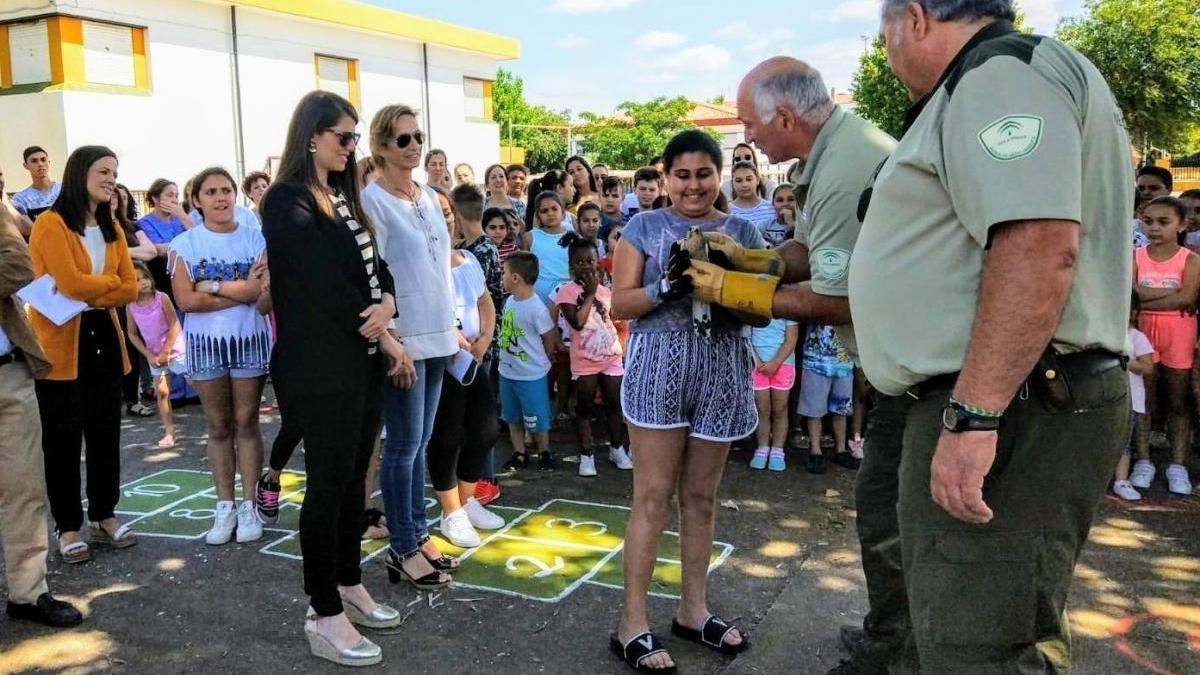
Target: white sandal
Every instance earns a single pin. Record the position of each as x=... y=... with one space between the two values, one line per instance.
x=124 y=537
x=74 y=552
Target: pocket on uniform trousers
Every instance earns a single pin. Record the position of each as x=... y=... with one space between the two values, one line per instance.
x=979 y=588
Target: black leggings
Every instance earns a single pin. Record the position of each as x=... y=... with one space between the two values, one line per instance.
x=585 y=407
x=87 y=408
x=285 y=442
x=463 y=431
x=339 y=432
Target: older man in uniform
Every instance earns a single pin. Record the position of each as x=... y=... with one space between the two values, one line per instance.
x=991 y=284
x=788 y=114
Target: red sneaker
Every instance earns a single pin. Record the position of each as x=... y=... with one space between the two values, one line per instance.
x=486 y=492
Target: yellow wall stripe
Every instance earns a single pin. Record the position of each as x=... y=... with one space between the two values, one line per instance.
x=400 y=24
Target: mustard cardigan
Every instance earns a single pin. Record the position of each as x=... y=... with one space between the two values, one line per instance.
x=58 y=251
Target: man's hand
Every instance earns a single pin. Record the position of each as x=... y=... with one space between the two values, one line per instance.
x=956 y=474
x=741 y=259
x=749 y=293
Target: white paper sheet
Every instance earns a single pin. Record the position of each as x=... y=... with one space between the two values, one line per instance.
x=45 y=298
x=463 y=366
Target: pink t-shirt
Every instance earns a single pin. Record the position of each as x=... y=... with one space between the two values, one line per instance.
x=1137 y=388
x=595 y=349
x=152 y=324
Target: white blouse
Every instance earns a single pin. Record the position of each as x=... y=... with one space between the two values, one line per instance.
x=414 y=241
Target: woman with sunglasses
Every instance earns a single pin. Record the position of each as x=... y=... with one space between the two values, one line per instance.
x=744 y=152
x=414 y=241
x=332 y=297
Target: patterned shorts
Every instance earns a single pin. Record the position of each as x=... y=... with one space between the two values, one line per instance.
x=678 y=379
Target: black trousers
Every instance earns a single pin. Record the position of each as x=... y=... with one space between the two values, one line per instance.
x=464 y=431
x=84 y=412
x=339 y=431
x=286 y=441
x=876 y=494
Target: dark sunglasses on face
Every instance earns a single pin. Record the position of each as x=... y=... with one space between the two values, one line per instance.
x=745 y=158
x=1151 y=188
x=346 y=137
x=403 y=140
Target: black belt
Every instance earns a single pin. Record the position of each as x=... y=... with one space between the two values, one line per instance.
x=14 y=355
x=1092 y=362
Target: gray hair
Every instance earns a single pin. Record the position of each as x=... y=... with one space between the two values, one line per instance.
x=802 y=90
x=958 y=10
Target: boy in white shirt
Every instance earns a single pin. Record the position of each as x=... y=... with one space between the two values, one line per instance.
x=527 y=339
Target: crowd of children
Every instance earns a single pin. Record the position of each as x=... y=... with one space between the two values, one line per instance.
x=561 y=354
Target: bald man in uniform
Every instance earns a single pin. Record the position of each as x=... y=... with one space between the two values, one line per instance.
x=788 y=114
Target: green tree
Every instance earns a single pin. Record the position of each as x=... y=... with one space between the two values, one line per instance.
x=544 y=148
x=879 y=96
x=1149 y=52
x=636 y=133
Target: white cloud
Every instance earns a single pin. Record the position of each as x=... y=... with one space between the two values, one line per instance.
x=704 y=57
x=835 y=59
x=1041 y=15
x=589 y=6
x=657 y=39
x=853 y=10
x=659 y=78
x=737 y=29
x=571 y=42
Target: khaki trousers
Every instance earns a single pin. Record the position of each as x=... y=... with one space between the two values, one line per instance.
x=22 y=485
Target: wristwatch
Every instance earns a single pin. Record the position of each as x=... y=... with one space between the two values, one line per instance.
x=956 y=418
x=215 y=286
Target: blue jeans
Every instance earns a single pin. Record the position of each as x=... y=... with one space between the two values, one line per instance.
x=408 y=416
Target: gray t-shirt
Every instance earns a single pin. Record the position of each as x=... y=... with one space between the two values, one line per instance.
x=522 y=325
x=652 y=233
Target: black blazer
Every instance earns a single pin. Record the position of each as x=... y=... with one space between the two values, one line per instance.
x=319 y=286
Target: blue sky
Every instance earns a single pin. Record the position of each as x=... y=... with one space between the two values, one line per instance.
x=594 y=54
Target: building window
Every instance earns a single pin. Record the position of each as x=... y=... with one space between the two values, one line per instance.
x=477 y=98
x=73 y=53
x=108 y=54
x=339 y=76
x=29 y=53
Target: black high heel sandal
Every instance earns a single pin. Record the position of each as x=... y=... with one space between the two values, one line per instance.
x=396 y=573
x=443 y=563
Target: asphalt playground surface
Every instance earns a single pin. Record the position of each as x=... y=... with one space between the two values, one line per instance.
x=543 y=595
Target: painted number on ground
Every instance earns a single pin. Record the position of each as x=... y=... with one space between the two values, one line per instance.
x=544 y=570
x=597 y=528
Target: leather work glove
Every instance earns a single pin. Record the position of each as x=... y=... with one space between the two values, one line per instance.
x=739 y=291
x=741 y=259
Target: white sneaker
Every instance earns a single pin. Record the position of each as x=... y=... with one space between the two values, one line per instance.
x=1178 y=481
x=620 y=458
x=1142 y=475
x=1124 y=490
x=480 y=517
x=249 y=527
x=587 y=465
x=224 y=522
x=458 y=529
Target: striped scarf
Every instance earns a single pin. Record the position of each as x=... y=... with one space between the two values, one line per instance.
x=366 y=246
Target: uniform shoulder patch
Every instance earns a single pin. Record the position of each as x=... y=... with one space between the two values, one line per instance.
x=1012 y=137
x=831 y=262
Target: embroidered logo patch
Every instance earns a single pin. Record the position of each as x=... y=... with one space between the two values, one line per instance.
x=1012 y=137
x=832 y=262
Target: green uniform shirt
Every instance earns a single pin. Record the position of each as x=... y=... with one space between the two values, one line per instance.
x=843 y=158
x=1020 y=127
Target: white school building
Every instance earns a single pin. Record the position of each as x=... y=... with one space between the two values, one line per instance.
x=173 y=86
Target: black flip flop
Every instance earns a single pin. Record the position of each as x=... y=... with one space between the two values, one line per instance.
x=712 y=635
x=638 y=649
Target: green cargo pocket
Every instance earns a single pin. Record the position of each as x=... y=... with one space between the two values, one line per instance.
x=979 y=589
